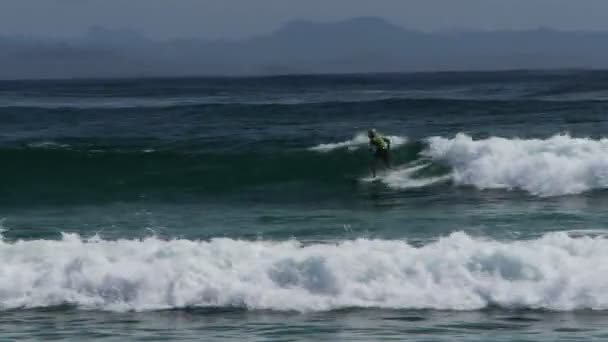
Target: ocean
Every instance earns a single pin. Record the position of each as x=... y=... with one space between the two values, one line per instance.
x=224 y=209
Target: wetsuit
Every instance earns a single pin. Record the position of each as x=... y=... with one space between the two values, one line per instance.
x=382 y=146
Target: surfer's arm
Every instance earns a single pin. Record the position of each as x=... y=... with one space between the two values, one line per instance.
x=388 y=142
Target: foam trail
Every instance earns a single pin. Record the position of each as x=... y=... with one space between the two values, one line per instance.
x=358 y=141
x=400 y=171
x=402 y=178
x=559 y=165
x=457 y=272
x=48 y=145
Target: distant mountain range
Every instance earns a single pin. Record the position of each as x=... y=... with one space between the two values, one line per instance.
x=357 y=45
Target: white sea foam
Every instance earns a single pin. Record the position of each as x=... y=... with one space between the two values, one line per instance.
x=358 y=141
x=48 y=145
x=457 y=272
x=403 y=177
x=558 y=165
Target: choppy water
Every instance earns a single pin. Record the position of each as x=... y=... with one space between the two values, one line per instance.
x=243 y=208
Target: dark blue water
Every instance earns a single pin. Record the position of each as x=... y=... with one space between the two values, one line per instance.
x=244 y=208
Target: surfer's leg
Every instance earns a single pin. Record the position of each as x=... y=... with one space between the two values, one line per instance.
x=375 y=164
x=373 y=168
x=386 y=158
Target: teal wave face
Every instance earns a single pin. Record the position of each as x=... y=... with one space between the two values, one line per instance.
x=53 y=170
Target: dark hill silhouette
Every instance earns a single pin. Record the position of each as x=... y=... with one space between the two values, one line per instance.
x=357 y=45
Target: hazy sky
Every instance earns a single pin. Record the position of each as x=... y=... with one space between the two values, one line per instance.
x=237 y=18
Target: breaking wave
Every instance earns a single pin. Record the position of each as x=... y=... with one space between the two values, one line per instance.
x=456 y=272
x=559 y=165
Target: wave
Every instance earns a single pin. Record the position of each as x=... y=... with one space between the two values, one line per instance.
x=97 y=173
x=360 y=140
x=286 y=103
x=90 y=171
x=559 y=165
x=202 y=101
x=456 y=272
x=491 y=91
x=556 y=166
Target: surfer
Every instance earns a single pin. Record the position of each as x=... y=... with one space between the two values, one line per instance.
x=382 y=146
